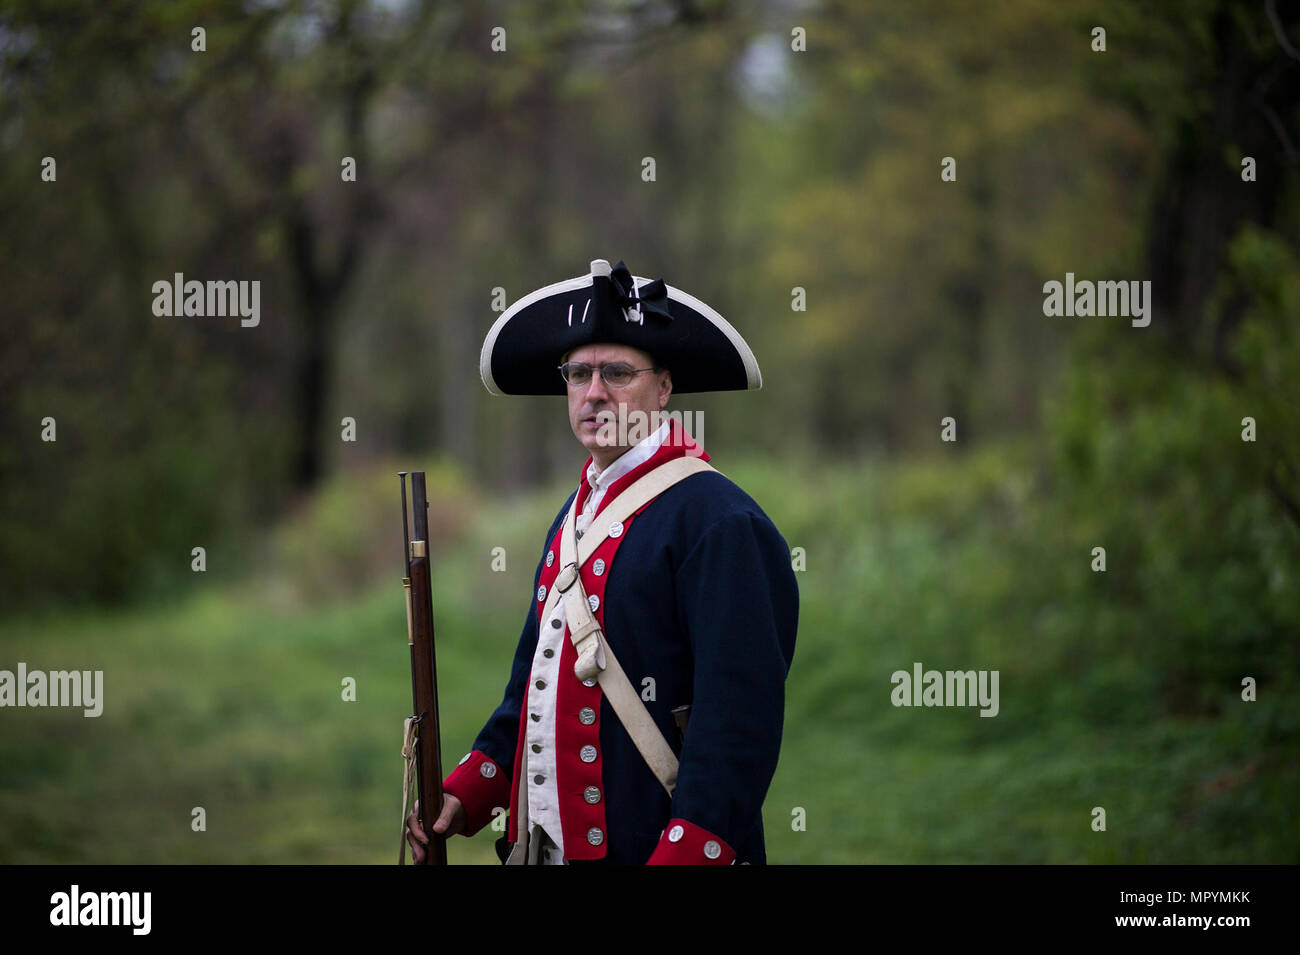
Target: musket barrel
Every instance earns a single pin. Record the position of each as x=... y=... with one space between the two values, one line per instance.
x=424 y=671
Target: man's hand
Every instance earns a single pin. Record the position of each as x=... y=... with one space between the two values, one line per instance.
x=449 y=823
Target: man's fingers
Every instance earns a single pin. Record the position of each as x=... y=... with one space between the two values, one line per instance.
x=415 y=838
x=413 y=824
x=446 y=823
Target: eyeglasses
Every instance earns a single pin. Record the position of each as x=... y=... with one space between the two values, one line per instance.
x=618 y=374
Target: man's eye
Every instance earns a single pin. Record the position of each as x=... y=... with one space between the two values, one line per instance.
x=618 y=374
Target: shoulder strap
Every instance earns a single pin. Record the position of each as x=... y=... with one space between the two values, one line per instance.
x=633 y=498
x=596 y=659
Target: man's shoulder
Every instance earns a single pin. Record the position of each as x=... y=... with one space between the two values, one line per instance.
x=717 y=491
x=709 y=499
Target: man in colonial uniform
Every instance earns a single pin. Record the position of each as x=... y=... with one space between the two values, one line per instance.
x=642 y=719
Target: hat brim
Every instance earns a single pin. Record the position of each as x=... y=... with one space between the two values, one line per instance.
x=522 y=351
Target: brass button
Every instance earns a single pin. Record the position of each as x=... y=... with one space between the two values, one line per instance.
x=540 y=684
x=548 y=653
x=555 y=622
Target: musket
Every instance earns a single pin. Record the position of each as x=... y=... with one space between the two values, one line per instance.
x=422 y=742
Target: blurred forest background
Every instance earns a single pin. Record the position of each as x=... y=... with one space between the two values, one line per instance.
x=775 y=170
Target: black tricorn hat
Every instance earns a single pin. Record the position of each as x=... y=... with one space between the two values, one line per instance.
x=521 y=353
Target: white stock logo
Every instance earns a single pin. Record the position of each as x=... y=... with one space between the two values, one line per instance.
x=1130 y=299
x=946 y=688
x=84 y=688
x=102 y=908
x=211 y=299
x=632 y=427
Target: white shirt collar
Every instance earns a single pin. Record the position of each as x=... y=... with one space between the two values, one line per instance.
x=636 y=455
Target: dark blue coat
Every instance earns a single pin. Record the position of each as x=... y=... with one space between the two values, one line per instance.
x=702 y=599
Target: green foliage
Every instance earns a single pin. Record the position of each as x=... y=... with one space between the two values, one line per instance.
x=1152 y=465
x=1265 y=269
x=344 y=538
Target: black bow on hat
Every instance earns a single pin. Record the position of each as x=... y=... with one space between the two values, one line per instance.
x=653 y=297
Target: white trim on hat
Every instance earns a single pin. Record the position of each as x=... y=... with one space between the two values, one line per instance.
x=485 y=357
x=753 y=377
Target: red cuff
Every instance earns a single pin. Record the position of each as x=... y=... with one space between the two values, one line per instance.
x=481 y=785
x=684 y=843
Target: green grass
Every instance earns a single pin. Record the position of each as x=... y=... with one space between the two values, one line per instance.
x=231 y=700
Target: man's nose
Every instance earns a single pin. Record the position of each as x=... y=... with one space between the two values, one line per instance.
x=596 y=388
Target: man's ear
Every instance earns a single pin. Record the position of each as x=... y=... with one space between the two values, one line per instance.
x=665 y=388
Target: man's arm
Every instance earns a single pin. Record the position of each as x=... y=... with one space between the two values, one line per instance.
x=738 y=598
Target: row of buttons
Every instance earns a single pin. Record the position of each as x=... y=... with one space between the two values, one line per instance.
x=586 y=716
x=615 y=530
x=591 y=793
x=541 y=685
x=598 y=567
x=592 y=600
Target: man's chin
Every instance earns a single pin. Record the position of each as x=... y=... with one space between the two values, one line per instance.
x=600 y=436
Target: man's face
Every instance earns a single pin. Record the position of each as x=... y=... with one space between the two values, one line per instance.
x=610 y=420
